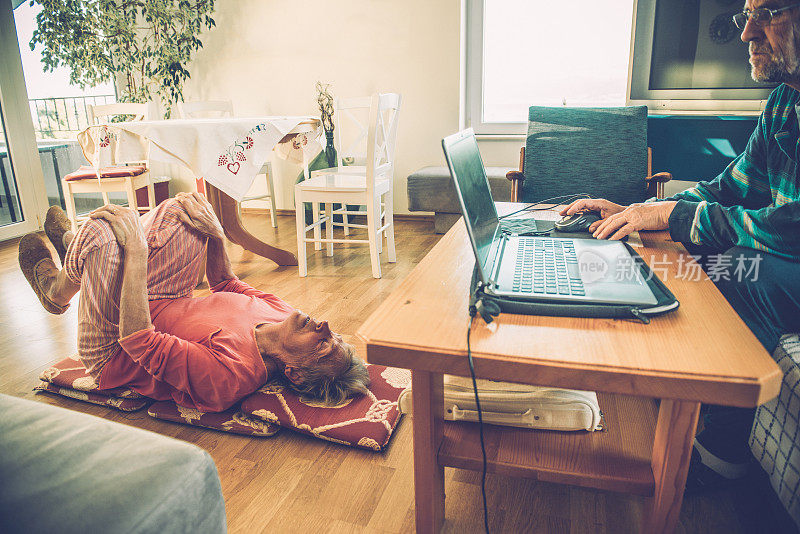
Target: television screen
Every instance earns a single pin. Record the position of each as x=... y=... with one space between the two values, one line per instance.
x=696 y=45
x=688 y=54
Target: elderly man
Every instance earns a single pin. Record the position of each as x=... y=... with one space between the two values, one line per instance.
x=747 y=217
x=138 y=325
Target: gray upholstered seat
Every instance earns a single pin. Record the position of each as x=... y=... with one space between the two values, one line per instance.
x=600 y=151
x=64 y=471
x=432 y=189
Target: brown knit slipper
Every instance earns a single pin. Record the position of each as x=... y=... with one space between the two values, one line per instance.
x=56 y=224
x=37 y=265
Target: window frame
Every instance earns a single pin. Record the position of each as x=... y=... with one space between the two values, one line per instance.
x=473 y=61
x=474 y=79
x=23 y=155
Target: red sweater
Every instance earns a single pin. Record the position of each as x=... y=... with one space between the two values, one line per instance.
x=201 y=352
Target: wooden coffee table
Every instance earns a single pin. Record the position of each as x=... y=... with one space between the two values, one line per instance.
x=701 y=353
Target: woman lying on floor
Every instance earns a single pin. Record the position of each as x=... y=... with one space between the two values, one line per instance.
x=139 y=327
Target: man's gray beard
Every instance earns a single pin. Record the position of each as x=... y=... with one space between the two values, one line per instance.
x=774 y=72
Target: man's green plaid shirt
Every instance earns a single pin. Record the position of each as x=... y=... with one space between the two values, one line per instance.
x=754 y=202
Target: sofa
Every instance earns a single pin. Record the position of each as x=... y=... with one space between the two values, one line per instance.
x=775 y=438
x=431 y=189
x=64 y=471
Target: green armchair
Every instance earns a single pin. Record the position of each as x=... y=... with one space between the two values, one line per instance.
x=600 y=151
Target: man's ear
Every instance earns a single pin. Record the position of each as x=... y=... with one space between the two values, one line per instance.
x=293 y=374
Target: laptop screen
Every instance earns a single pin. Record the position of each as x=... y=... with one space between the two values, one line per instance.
x=466 y=167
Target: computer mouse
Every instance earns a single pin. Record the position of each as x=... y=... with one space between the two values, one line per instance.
x=578 y=222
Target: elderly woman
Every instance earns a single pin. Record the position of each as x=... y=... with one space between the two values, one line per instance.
x=139 y=327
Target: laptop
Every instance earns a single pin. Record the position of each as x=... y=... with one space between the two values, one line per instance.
x=537 y=268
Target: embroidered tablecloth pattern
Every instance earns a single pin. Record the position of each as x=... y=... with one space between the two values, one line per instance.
x=227 y=152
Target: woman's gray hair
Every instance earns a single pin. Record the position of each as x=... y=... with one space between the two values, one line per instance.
x=334 y=390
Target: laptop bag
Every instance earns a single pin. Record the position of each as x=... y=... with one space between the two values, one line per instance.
x=519 y=405
x=489 y=306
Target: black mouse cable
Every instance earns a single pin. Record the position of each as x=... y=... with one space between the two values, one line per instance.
x=564 y=199
x=532 y=207
x=561 y=198
x=480 y=422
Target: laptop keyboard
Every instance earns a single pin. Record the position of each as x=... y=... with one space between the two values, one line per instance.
x=547 y=267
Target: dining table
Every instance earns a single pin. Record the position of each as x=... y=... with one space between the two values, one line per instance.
x=227 y=153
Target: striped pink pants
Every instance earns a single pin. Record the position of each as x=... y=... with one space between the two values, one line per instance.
x=94 y=260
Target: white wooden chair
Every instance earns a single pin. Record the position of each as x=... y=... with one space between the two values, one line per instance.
x=368 y=185
x=224 y=108
x=125 y=177
x=351 y=116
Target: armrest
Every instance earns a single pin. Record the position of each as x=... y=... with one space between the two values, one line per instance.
x=515 y=175
x=659 y=177
x=516 y=178
x=655 y=183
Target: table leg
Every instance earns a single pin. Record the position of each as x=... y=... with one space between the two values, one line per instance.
x=672 y=450
x=227 y=210
x=428 y=474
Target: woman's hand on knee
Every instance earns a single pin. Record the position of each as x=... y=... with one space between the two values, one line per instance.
x=125 y=224
x=199 y=214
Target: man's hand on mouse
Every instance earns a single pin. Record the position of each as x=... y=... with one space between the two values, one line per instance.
x=601 y=205
x=618 y=221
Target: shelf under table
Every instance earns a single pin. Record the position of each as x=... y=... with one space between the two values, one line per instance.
x=615 y=460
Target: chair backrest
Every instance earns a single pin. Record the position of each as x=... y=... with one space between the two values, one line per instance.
x=205 y=109
x=382 y=136
x=352 y=117
x=101 y=113
x=600 y=151
x=366 y=133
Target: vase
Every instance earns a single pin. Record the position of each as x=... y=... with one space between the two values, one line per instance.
x=330 y=150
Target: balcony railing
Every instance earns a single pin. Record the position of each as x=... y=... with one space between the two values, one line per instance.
x=64 y=116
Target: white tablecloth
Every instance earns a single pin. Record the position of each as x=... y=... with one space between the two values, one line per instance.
x=227 y=152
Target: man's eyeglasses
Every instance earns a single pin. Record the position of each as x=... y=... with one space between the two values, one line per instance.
x=761 y=16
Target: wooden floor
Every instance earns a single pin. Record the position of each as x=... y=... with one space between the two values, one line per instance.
x=292 y=483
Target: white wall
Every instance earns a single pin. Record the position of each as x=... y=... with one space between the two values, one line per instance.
x=266 y=56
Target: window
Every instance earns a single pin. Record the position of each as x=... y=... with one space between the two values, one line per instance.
x=59 y=110
x=522 y=53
